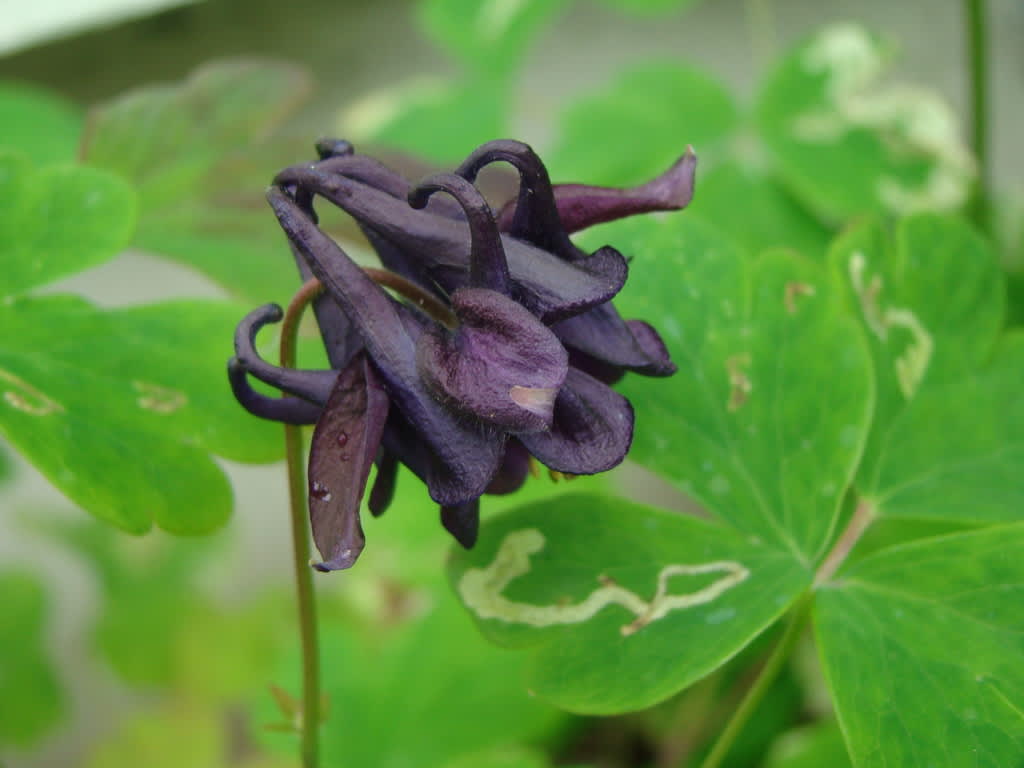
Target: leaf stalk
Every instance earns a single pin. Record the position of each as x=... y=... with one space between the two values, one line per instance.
x=769 y=672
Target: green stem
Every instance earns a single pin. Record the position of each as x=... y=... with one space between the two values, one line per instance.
x=977 y=59
x=764 y=680
x=310 y=721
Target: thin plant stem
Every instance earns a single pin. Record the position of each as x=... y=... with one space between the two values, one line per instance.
x=860 y=521
x=976 y=45
x=427 y=303
x=310 y=720
x=760 y=687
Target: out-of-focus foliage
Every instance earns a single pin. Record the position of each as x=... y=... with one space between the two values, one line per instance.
x=200 y=153
x=88 y=391
x=32 y=700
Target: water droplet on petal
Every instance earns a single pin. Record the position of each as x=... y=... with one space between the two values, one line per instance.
x=320 y=491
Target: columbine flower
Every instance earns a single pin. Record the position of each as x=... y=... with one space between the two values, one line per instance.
x=503 y=350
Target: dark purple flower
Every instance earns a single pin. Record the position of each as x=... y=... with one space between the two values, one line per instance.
x=501 y=349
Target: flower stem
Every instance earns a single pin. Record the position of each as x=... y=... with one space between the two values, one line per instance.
x=310 y=721
x=977 y=62
x=764 y=680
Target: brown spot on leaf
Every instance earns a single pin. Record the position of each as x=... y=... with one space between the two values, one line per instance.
x=794 y=290
x=740 y=385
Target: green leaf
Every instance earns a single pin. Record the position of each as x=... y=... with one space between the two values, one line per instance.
x=848 y=144
x=435 y=119
x=148 y=594
x=226 y=652
x=201 y=153
x=948 y=438
x=622 y=605
x=488 y=36
x=501 y=757
x=5 y=465
x=638 y=125
x=121 y=409
x=922 y=650
x=767 y=416
x=39 y=123
x=649 y=7
x=175 y=736
x=57 y=221
x=422 y=688
x=771 y=217
x=810 y=746
x=32 y=700
x=182 y=733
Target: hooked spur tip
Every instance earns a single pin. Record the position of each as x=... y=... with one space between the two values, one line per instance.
x=326 y=148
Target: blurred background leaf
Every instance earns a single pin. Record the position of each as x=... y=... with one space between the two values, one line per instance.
x=847 y=142
x=664 y=106
x=32 y=701
x=201 y=152
x=39 y=123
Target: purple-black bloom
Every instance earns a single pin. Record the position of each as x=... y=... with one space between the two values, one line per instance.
x=500 y=345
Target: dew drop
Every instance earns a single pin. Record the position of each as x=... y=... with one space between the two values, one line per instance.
x=342 y=438
x=320 y=491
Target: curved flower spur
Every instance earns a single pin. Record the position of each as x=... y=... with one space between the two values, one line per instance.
x=497 y=341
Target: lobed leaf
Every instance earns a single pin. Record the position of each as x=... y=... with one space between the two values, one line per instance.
x=57 y=221
x=116 y=407
x=922 y=648
x=201 y=153
x=771 y=217
x=765 y=421
x=948 y=438
x=620 y=605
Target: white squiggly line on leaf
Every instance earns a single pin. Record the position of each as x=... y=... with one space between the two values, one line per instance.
x=29 y=399
x=913 y=363
x=481 y=589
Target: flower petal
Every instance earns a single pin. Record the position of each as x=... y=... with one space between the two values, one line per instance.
x=466 y=454
x=592 y=428
x=603 y=335
x=502 y=365
x=534 y=215
x=551 y=287
x=345 y=442
x=383 y=490
x=288 y=410
x=581 y=206
x=487 y=265
x=314 y=386
x=515 y=466
x=463 y=522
